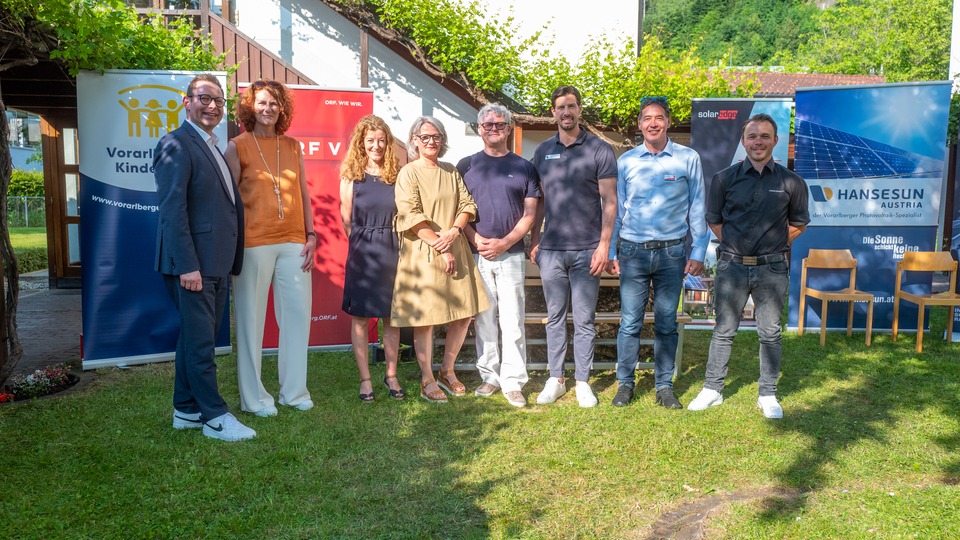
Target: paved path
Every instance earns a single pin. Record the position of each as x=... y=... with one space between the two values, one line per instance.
x=49 y=325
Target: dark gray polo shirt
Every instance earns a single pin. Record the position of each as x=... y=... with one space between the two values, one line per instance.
x=756 y=208
x=571 y=190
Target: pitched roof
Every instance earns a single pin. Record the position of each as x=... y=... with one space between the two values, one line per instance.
x=786 y=84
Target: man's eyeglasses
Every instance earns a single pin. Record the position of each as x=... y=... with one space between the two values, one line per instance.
x=659 y=100
x=427 y=138
x=205 y=99
x=490 y=126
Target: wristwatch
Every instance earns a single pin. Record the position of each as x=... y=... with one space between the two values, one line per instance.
x=459 y=229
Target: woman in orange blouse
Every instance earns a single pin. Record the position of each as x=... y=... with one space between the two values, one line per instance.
x=279 y=245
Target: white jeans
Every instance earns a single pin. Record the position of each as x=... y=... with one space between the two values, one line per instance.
x=278 y=264
x=503 y=280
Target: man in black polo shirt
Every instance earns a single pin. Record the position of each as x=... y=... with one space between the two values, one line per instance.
x=756 y=209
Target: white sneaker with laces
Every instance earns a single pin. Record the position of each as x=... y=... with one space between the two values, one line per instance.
x=182 y=420
x=585 y=395
x=706 y=398
x=226 y=427
x=551 y=391
x=771 y=408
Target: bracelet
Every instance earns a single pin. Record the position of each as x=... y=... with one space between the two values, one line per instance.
x=311 y=233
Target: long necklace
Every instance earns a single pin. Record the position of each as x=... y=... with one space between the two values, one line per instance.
x=273 y=178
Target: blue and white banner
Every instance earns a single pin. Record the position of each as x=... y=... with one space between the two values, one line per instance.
x=873 y=158
x=128 y=317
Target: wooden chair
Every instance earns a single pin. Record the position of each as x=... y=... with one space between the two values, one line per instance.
x=926 y=261
x=837 y=259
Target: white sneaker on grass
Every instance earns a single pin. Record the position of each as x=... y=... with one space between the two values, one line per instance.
x=771 y=408
x=585 y=395
x=182 y=420
x=226 y=427
x=267 y=412
x=706 y=398
x=304 y=405
x=551 y=391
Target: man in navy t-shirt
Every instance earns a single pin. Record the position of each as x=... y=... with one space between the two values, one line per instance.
x=506 y=188
x=578 y=174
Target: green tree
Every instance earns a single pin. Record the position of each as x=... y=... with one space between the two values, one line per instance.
x=903 y=40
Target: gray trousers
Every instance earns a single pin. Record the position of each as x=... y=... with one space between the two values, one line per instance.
x=566 y=276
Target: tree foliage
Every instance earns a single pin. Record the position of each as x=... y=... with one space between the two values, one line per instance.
x=109 y=34
x=731 y=32
x=903 y=40
x=463 y=41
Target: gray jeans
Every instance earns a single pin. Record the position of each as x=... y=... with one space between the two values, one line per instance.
x=566 y=276
x=768 y=284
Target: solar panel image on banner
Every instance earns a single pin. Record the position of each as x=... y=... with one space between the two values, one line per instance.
x=826 y=153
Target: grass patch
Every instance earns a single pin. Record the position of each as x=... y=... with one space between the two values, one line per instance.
x=870 y=442
x=30 y=245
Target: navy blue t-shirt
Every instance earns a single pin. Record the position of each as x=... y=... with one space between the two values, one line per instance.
x=571 y=190
x=499 y=185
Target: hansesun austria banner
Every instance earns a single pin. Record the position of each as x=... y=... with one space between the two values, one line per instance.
x=323 y=120
x=716 y=125
x=128 y=317
x=873 y=158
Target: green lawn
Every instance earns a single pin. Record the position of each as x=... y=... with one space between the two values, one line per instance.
x=28 y=237
x=869 y=448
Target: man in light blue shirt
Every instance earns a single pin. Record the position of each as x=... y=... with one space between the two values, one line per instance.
x=660 y=197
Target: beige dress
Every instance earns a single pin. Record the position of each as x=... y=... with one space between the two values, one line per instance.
x=423 y=294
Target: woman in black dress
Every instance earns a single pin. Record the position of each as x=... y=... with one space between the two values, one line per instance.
x=367 y=209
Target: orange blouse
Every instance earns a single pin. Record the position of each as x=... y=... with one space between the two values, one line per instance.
x=261 y=212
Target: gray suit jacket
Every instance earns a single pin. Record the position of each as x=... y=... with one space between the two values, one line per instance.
x=199 y=227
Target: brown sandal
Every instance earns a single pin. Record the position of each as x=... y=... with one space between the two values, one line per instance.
x=437 y=396
x=448 y=381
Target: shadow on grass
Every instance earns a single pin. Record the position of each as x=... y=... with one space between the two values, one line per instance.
x=855 y=394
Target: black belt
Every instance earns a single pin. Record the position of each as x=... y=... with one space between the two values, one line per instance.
x=659 y=244
x=752 y=261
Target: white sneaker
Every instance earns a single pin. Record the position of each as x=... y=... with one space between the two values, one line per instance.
x=551 y=391
x=226 y=427
x=706 y=398
x=304 y=405
x=771 y=408
x=585 y=395
x=267 y=412
x=182 y=420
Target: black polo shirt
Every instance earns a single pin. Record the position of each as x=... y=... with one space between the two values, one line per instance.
x=755 y=208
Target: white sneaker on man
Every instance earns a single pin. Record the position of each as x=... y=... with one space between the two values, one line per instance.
x=551 y=391
x=585 y=395
x=182 y=420
x=267 y=412
x=771 y=408
x=226 y=427
x=706 y=398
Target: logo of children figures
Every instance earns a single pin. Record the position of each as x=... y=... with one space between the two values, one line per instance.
x=146 y=107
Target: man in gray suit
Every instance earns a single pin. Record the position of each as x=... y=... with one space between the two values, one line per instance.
x=199 y=244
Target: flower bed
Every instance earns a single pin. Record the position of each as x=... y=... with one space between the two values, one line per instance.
x=40 y=383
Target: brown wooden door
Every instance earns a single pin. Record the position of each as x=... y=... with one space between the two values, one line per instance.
x=61 y=167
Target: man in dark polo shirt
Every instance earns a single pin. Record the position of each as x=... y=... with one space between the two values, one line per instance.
x=506 y=188
x=578 y=174
x=756 y=209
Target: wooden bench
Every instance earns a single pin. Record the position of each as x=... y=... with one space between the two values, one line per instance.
x=606 y=280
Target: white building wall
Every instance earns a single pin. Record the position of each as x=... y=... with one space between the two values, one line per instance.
x=326 y=47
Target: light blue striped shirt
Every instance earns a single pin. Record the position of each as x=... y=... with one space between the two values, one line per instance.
x=656 y=193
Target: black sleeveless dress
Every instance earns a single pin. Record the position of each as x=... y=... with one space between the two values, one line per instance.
x=372 y=251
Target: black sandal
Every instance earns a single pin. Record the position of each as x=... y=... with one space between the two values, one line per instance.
x=366 y=398
x=395 y=394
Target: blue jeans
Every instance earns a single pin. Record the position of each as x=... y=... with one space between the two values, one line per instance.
x=768 y=284
x=638 y=267
x=567 y=282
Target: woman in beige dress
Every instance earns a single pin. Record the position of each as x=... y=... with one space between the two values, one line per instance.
x=437 y=280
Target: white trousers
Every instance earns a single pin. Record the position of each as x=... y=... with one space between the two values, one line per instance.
x=277 y=264
x=503 y=280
